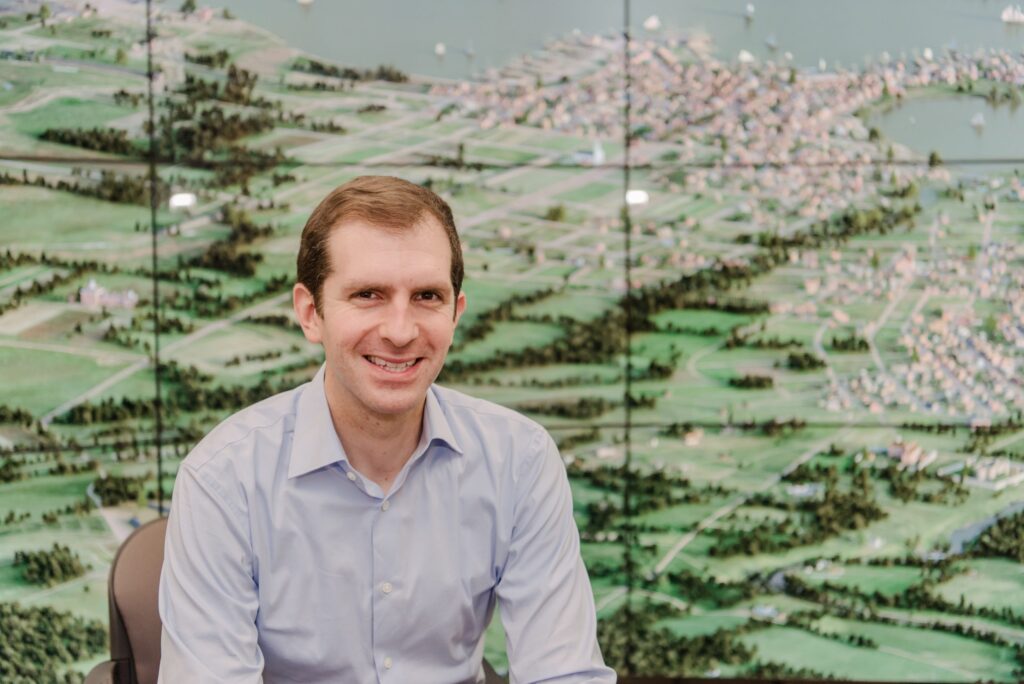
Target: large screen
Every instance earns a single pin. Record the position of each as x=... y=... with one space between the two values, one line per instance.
x=757 y=267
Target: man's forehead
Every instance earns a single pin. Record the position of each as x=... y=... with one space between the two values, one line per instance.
x=424 y=222
x=371 y=255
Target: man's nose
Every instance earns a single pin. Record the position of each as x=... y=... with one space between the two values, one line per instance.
x=399 y=326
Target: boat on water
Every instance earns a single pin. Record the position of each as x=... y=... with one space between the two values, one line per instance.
x=771 y=42
x=652 y=23
x=440 y=49
x=1012 y=14
x=305 y=3
x=749 y=13
x=978 y=120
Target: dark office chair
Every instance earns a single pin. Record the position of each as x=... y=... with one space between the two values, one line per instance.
x=134 y=617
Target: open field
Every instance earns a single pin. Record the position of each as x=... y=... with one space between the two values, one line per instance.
x=801 y=649
x=992 y=583
x=45 y=379
x=67 y=112
x=37 y=220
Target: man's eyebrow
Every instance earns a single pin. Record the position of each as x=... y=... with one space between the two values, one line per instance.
x=359 y=286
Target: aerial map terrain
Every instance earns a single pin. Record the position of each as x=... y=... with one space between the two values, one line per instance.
x=785 y=376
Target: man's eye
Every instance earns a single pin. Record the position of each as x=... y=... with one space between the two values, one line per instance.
x=430 y=296
x=365 y=294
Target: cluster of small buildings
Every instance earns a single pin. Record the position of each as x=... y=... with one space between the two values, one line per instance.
x=960 y=362
x=952 y=68
x=954 y=369
x=721 y=120
x=955 y=365
x=845 y=280
x=984 y=472
x=909 y=455
x=872 y=390
x=95 y=296
x=805 y=490
x=735 y=115
x=987 y=472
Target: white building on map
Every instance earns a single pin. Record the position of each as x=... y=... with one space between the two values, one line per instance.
x=95 y=296
x=910 y=455
x=694 y=437
x=988 y=472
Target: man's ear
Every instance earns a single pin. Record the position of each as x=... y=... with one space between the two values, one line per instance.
x=305 y=311
x=460 y=306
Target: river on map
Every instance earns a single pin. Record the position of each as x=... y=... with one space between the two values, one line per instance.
x=482 y=34
x=963 y=536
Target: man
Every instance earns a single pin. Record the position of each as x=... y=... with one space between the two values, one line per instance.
x=361 y=527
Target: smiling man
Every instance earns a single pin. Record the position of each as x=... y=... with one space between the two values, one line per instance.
x=362 y=527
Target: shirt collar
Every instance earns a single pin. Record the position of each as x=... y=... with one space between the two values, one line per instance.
x=315 y=442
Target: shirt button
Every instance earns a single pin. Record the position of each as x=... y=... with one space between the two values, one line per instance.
x=386 y=587
x=387 y=663
x=351 y=476
x=385 y=506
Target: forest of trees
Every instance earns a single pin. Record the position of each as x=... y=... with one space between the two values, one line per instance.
x=850 y=343
x=633 y=644
x=803 y=361
x=112 y=140
x=752 y=381
x=384 y=72
x=49 y=567
x=816 y=519
x=213 y=60
x=115 y=489
x=226 y=254
x=38 y=642
x=1005 y=538
x=109 y=187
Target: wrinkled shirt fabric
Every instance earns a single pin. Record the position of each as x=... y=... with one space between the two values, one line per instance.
x=284 y=564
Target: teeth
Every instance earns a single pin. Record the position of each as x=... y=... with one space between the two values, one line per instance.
x=386 y=365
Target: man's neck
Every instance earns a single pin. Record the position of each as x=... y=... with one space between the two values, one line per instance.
x=378 y=447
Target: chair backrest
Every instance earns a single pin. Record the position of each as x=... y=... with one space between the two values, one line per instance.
x=134 y=615
x=134 y=612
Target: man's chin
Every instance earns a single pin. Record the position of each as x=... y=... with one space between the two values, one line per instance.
x=410 y=400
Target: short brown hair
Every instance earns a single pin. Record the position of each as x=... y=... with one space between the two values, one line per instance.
x=383 y=201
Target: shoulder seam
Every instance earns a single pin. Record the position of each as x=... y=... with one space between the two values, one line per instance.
x=248 y=433
x=490 y=409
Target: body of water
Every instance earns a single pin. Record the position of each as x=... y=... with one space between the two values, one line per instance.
x=482 y=34
x=404 y=32
x=943 y=124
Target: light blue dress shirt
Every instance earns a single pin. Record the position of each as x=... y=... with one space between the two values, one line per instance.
x=284 y=563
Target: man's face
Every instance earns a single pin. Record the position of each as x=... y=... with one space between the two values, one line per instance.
x=389 y=314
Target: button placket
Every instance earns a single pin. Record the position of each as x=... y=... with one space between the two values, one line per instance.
x=388 y=575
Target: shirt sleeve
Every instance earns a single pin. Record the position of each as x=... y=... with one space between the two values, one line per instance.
x=208 y=596
x=544 y=594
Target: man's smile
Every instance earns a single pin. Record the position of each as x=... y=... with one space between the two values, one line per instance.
x=392 y=366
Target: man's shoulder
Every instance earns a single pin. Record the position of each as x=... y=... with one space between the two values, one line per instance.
x=505 y=440
x=482 y=413
x=267 y=421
